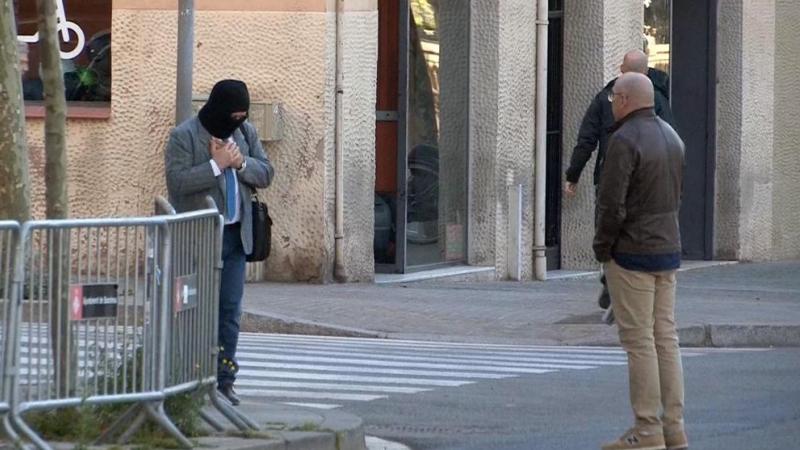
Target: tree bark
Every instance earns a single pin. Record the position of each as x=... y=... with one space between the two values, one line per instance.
x=55 y=124
x=55 y=174
x=15 y=197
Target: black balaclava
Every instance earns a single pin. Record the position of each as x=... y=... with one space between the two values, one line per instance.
x=227 y=97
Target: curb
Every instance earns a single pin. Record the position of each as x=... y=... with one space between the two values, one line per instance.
x=702 y=335
x=740 y=335
x=261 y=322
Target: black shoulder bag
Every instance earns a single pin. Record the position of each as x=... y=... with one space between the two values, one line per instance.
x=262 y=223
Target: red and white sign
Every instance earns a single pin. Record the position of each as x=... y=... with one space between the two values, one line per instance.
x=178 y=304
x=76 y=302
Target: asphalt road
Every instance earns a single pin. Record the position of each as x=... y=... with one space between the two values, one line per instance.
x=734 y=400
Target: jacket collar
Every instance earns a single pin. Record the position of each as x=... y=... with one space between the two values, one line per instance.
x=644 y=112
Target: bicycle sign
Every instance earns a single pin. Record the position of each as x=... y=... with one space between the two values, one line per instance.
x=64 y=26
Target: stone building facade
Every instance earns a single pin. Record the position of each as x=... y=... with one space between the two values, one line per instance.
x=458 y=76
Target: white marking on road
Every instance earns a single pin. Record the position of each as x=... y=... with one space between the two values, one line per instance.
x=250 y=383
x=312 y=405
x=380 y=370
x=307 y=394
x=450 y=353
x=510 y=362
x=379 y=363
x=352 y=378
x=374 y=443
x=297 y=339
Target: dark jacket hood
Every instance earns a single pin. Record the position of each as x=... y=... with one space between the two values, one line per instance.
x=660 y=81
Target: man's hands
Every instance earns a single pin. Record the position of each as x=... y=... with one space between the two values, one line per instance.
x=238 y=158
x=571 y=189
x=226 y=154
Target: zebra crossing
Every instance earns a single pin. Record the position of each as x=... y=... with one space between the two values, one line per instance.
x=323 y=372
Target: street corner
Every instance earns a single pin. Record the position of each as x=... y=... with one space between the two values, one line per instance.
x=307 y=426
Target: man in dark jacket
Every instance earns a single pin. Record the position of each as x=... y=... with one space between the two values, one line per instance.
x=638 y=241
x=599 y=118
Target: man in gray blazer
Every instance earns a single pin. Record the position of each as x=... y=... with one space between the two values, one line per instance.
x=217 y=153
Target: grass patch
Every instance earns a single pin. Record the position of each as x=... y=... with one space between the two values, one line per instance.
x=85 y=423
x=310 y=426
x=247 y=434
x=279 y=426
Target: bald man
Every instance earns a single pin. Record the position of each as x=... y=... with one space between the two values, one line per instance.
x=637 y=239
x=599 y=118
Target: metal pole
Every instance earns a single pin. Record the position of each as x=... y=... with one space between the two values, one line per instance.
x=339 y=268
x=540 y=260
x=183 y=96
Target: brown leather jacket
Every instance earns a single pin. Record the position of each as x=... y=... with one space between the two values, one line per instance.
x=640 y=189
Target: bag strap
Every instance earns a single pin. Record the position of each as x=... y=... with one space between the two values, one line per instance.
x=254 y=192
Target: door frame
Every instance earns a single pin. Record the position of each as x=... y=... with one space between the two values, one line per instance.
x=711 y=138
x=709 y=182
x=400 y=209
x=554 y=171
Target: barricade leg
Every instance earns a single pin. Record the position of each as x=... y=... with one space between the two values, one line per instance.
x=118 y=425
x=28 y=433
x=160 y=416
x=236 y=419
x=135 y=426
x=10 y=431
x=211 y=421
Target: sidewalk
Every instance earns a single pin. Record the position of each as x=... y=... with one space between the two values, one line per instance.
x=747 y=305
x=283 y=427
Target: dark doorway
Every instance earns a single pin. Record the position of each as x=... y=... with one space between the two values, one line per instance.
x=555 y=91
x=388 y=113
x=693 y=67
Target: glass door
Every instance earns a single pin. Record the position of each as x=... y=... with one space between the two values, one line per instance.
x=437 y=124
x=422 y=116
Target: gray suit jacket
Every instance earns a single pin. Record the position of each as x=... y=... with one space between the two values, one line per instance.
x=190 y=177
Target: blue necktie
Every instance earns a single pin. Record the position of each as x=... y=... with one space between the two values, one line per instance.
x=230 y=193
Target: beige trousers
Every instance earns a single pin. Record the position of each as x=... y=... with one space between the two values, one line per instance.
x=644 y=308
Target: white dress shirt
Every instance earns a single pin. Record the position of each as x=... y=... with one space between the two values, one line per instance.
x=237 y=215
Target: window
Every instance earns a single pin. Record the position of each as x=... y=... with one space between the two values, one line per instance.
x=657 y=33
x=85 y=34
x=438 y=126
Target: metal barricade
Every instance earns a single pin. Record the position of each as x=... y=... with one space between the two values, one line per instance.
x=194 y=315
x=89 y=323
x=9 y=291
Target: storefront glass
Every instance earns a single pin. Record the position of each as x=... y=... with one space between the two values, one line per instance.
x=84 y=28
x=438 y=116
x=657 y=33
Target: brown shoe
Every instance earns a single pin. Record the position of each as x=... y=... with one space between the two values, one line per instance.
x=230 y=394
x=676 y=440
x=634 y=440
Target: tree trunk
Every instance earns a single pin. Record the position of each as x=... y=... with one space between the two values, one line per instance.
x=55 y=125
x=56 y=193
x=15 y=197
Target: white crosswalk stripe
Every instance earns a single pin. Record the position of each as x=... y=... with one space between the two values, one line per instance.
x=311 y=371
x=320 y=371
